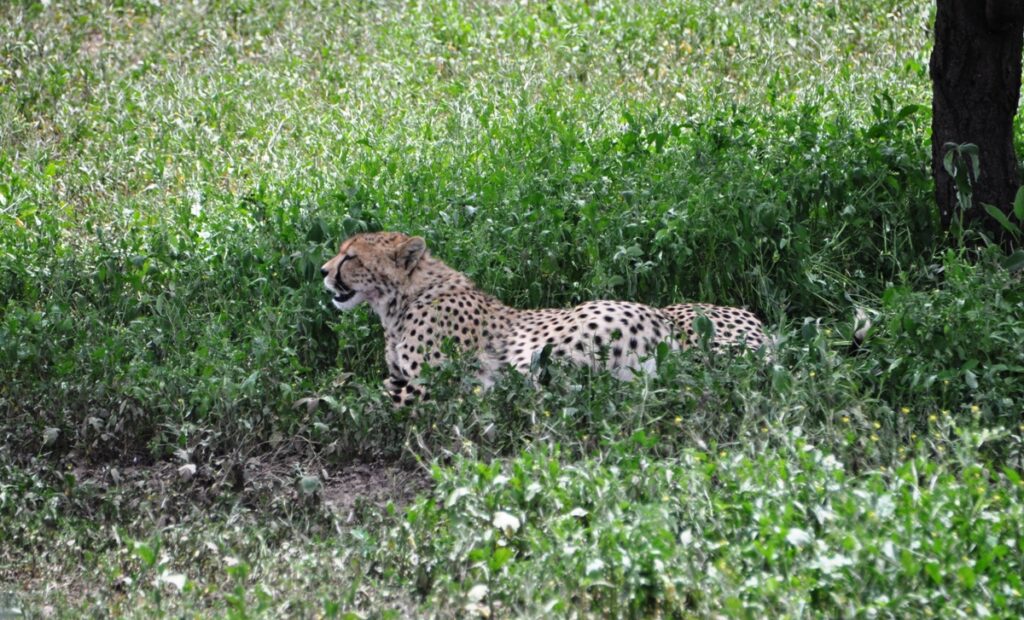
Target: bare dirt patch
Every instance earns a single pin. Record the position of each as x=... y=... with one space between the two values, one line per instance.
x=173 y=490
x=375 y=484
x=137 y=499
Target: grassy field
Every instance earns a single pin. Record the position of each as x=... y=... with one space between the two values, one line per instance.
x=189 y=430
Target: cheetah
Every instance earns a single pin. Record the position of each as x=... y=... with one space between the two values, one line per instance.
x=422 y=302
x=730 y=327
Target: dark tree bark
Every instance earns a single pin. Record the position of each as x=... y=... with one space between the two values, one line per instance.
x=976 y=74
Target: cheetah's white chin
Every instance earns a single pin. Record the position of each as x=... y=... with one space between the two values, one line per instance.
x=347 y=301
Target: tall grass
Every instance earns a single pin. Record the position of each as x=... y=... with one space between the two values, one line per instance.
x=172 y=177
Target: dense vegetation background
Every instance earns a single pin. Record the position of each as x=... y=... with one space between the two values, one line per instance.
x=180 y=406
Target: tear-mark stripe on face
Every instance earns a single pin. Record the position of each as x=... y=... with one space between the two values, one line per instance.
x=337 y=274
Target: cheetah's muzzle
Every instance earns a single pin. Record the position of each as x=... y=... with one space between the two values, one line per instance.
x=344 y=295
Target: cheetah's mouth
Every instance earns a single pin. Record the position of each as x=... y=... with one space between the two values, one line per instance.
x=344 y=295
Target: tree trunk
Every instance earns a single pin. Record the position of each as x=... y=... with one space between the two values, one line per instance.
x=976 y=73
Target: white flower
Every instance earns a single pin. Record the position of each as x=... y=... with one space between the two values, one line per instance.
x=797 y=537
x=197 y=202
x=505 y=522
x=175 y=579
x=455 y=496
x=477 y=593
x=830 y=564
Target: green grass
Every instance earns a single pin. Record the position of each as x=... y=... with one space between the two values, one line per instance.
x=179 y=403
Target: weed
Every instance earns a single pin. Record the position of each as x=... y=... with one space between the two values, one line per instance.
x=178 y=398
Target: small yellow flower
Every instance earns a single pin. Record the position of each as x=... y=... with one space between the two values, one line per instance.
x=811 y=374
x=846 y=419
x=975 y=409
x=679 y=420
x=933 y=418
x=913 y=435
x=477 y=390
x=877 y=425
x=874 y=437
x=721 y=454
x=905 y=410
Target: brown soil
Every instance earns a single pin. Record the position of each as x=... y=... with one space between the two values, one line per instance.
x=136 y=495
x=266 y=482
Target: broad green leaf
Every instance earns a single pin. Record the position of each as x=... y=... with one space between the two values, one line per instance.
x=500 y=557
x=145 y=552
x=971 y=379
x=908 y=111
x=1012 y=475
x=1000 y=217
x=705 y=328
x=309 y=484
x=966 y=576
x=1014 y=262
x=947 y=161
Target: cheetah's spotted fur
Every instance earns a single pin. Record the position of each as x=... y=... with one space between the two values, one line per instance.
x=730 y=326
x=421 y=302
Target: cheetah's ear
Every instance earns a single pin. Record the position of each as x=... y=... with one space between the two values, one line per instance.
x=409 y=253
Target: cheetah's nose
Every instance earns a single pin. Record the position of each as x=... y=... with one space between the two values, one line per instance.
x=323 y=272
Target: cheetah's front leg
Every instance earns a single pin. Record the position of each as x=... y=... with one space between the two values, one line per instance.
x=404 y=391
x=404 y=367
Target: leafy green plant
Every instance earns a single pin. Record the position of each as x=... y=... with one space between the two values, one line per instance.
x=708 y=533
x=172 y=177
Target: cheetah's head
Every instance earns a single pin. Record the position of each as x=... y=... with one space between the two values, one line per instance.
x=369 y=265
